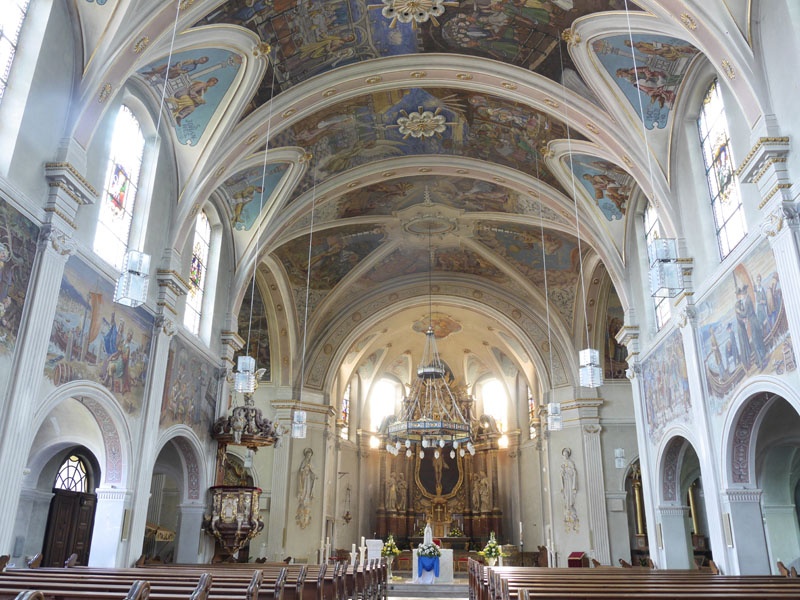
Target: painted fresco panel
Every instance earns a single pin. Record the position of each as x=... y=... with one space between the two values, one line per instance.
x=442 y=324
x=666 y=386
x=743 y=328
x=248 y=193
x=190 y=392
x=367 y=128
x=95 y=339
x=196 y=81
x=609 y=185
x=417 y=260
x=18 y=238
x=309 y=38
x=661 y=64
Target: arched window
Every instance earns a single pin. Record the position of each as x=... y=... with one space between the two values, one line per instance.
x=495 y=401
x=345 y=414
x=652 y=231
x=533 y=418
x=72 y=475
x=119 y=195
x=386 y=393
x=198 y=273
x=11 y=19
x=726 y=202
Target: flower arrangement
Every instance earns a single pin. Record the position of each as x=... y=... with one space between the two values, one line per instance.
x=389 y=547
x=428 y=550
x=456 y=532
x=492 y=548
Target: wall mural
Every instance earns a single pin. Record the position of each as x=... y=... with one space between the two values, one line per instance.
x=443 y=325
x=665 y=385
x=615 y=354
x=95 y=339
x=18 y=238
x=661 y=64
x=310 y=38
x=197 y=82
x=470 y=195
x=400 y=368
x=475 y=368
x=744 y=330
x=608 y=184
x=522 y=246
x=253 y=327
x=249 y=191
x=365 y=129
x=506 y=364
x=190 y=391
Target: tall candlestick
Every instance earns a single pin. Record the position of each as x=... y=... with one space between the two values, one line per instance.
x=362 y=541
x=520 y=533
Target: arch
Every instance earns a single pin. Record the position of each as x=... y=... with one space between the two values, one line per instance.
x=192 y=455
x=670 y=462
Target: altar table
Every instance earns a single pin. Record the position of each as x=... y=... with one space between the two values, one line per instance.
x=445 y=569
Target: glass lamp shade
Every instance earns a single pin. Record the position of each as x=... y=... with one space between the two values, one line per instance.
x=554 y=416
x=299 y=428
x=131 y=288
x=666 y=279
x=590 y=373
x=662 y=250
x=244 y=381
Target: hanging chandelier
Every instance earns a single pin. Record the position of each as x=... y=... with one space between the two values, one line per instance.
x=431 y=416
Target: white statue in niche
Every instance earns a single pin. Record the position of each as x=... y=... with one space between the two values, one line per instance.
x=569 y=489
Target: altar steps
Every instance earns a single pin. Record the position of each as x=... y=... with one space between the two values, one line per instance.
x=438 y=590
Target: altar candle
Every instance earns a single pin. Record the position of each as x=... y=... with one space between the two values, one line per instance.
x=363 y=543
x=353 y=551
x=520 y=533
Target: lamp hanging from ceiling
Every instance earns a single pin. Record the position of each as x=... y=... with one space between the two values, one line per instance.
x=430 y=415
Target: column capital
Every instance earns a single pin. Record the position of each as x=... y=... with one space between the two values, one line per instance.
x=741 y=495
x=68 y=191
x=675 y=510
x=166 y=325
x=55 y=240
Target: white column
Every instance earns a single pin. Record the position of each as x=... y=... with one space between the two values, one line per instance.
x=595 y=493
x=108 y=527
x=190 y=532
x=22 y=396
x=278 y=515
x=747 y=544
x=32 y=514
x=781 y=528
x=672 y=534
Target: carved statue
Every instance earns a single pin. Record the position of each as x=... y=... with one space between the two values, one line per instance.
x=569 y=489
x=485 y=492
x=402 y=494
x=391 y=492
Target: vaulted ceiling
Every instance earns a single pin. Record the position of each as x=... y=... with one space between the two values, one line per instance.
x=466 y=156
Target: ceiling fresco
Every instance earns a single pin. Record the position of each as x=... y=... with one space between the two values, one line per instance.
x=481 y=126
x=310 y=38
x=401 y=263
x=248 y=192
x=253 y=327
x=461 y=193
x=607 y=184
x=521 y=245
x=196 y=83
x=443 y=325
x=650 y=72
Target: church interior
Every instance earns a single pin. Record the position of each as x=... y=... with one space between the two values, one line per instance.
x=279 y=276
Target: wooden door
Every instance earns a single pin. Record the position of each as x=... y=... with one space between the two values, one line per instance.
x=69 y=527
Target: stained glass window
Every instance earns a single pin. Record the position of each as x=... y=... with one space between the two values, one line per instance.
x=726 y=202
x=72 y=476
x=119 y=195
x=385 y=396
x=197 y=273
x=346 y=413
x=495 y=402
x=652 y=231
x=11 y=18
x=532 y=416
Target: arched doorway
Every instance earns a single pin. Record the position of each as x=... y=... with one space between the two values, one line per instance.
x=70 y=520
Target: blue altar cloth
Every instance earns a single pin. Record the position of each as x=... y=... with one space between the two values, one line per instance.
x=428 y=563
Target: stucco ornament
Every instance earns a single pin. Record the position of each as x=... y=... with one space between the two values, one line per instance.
x=414 y=11
x=421 y=124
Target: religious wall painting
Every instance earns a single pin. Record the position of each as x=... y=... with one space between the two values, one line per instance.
x=665 y=386
x=744 y=329
x=197 y=82
x=400 y=367
x=94 y=338
x=481 y=126
x=607 y=184
x=248 y=192
x=474 y=368
x=530 y=252
x=253 y=328
x=661 y=63
x=412 y=261
x=442 y=324
x=615 y=362
x=190 y=391
x=367 y=367
x=18 y=239
x=438 y=477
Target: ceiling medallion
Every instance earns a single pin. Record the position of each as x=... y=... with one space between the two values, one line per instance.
x=288 y=113
x=374 y=79
x=464 y=76
x=728 y=68
x=421 y=124
x=413 y=11
x=592 y=127
x=508 y=85
x=330 y=92
x=418 y=74
x=688 y=21
x=140 y=45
